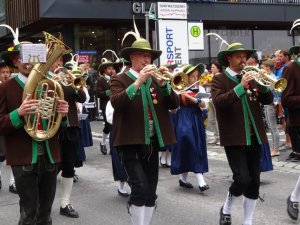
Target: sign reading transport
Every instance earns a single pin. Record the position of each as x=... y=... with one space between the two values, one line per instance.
x=173 y=41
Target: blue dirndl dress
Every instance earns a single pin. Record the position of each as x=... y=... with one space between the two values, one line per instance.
x=265 y=158
x=189 y=154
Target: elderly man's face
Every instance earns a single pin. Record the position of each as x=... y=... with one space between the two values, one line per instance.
x=139 y=60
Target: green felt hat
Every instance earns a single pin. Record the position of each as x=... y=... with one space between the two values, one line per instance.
x=140 y=45
x=295 y=50
x=122 y=61
x=234 y=47
x=104 y=63
x=172 y=66
x=190 y=68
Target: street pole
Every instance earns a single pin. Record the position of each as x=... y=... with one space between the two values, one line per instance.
x=147 y=25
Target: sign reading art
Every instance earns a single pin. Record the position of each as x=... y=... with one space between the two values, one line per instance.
x=173 y=41
x=196 y=36
x=171 y=10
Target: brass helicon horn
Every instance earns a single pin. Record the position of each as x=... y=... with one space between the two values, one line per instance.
x=46 y=91
x=178 y=80
x=266 y=80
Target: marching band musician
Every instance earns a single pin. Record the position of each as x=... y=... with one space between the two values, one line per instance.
x=241 y=134
x=290 y=100
x=189 y=154
x=34 y=164
x=69 y=140
x=106 y=70
x=141 y=125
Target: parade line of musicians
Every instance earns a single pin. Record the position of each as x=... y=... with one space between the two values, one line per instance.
x=166 y=109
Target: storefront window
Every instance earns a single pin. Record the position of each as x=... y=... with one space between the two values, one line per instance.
x=268 y=41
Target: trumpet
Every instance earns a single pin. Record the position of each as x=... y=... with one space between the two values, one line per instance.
x=264 y=79
x=70 y=78
x=178 y=81
x=205 y=78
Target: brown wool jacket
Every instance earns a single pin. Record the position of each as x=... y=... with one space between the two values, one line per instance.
x=290 y=98
x=128 y=117
x=229 y=111
x=72 y=96
x=18 y=144
x=102 y=91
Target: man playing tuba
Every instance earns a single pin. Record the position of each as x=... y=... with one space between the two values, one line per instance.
x=34 y=163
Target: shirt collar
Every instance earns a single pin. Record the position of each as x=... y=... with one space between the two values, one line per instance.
x=22 y=78
x=231 y=72
x=108 y=77
x=134 y=73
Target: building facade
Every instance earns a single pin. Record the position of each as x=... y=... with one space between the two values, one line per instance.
x=92 y=26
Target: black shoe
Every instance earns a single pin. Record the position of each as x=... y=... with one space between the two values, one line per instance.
x=103 y=149
x=75 y=178
x=12 y=188
x=123 y=194
x=163 y=165
x=69 y=211
x=225 y=219
x=185 y=185
x=292 y=209
x=296 y=158
x=0 y=183
x=291 y=156
x=203 y=188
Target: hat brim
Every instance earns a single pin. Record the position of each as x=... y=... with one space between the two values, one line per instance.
x=295 y=50
x=199 y=66
x=104 y=65
x=6 y=56
x=125 y=52
x=222 y=55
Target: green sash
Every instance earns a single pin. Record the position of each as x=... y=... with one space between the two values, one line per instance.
x=247 y=114
x=147 y=101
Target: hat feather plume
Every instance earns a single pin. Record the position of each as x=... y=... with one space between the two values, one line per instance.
x=14 y=33
x=136 y=33
x=295 y=24
x=219 y=37
x=112 y=51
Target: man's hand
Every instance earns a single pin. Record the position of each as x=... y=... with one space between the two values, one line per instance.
x=144 y=74
x=28 y=106
x=62 y=107
x=247 y=77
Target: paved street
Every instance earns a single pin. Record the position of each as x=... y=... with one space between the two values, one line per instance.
x=95 y=194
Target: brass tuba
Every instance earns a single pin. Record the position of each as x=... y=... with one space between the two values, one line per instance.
x=46 y=91
x=178 y=81
x=265 y=79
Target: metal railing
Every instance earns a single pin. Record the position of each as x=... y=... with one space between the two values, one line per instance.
x=285 y=2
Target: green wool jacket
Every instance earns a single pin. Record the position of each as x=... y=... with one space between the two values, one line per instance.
x=234 y=110
x=130 y=118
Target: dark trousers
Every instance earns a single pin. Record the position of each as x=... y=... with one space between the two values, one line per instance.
x=141 y=165
x=107 y=126
x=69 y=145
x=36 y=185
x=244 y=162
x=294 y=133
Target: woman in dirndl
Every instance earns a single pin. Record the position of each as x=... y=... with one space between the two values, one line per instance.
x=189 y=154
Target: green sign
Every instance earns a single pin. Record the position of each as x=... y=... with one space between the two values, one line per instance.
x=195 y=31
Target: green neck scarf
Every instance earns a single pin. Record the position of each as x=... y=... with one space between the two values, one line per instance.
x=35 y=142
x=247 y=115
x=147 y=102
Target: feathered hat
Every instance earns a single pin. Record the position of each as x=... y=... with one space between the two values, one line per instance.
x=104 y=63
x=12 y=51
x=140 y=45
x=72 y=64
x=119 y=61
x=234 y=47
x=295 y=49
x=188 y=69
